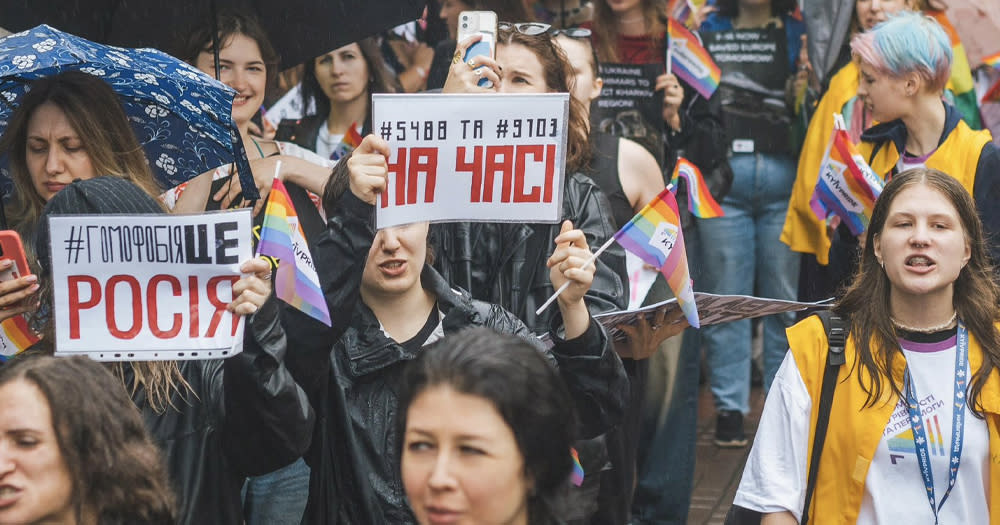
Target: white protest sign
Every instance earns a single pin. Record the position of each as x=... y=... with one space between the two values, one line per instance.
x=148 y=287
x=489 y=157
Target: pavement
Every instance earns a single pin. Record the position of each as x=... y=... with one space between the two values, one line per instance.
x=717 y=470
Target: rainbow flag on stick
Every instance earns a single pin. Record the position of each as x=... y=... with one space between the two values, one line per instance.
x=655 y=235
x=700 y=201
x=847 y=186
x=993 y=61
x=689 y=60
x=281 y=237
x=15 y=337
x=577 y=475
x=347 y=144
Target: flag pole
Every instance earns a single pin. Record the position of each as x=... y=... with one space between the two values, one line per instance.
x=567 y=283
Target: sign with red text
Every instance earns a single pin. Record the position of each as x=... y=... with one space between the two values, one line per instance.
x=486 y=158
x=148 y=287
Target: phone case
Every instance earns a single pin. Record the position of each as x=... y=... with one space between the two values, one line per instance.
x=11 y=248
x=486 y=46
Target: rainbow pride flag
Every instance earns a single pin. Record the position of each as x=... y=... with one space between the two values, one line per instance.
x=577 y=475
x=281 y=237
x=347 y=144
x=655 y=235
x=847 y=186
x=993 y=61
x=15 y=337
x=690 y=61
x=700 y=202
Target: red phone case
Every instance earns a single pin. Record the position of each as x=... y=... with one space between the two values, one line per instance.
x=11 y=248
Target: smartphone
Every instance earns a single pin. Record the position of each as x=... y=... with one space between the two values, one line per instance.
x=479 y=23
x=11 y=248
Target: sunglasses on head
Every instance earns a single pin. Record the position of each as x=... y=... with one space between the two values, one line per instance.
x=537 y=28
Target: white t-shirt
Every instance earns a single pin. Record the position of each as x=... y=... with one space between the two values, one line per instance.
x=774 y=479
x=326 y=142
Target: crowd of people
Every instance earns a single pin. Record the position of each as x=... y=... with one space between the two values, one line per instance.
x=430 y=398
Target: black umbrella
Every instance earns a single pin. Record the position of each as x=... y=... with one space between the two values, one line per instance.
x=299 y=29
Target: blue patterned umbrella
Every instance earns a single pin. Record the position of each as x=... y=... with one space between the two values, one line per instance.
x=181 y=116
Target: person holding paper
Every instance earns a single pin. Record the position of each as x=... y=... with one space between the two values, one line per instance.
x=912 y=435
x=386 y=302
x=217 y=421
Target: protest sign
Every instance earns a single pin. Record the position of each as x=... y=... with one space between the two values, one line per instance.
x=488 y=158
x=148 y=287
x=712 y=309
x=629 y=107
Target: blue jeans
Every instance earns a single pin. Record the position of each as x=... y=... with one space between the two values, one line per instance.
x=666 y=453
x=277 y=498
x=744 y=256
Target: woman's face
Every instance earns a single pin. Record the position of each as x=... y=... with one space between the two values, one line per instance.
x=450 y=9
x=343 y=74
x=522 y=71
x=586 y=85
x=395 y=260
x=461 y=463
x=54 y=153
x=883 y=95
x=872 y=12
x=242 y=68
x=922 y=245
x=35 y=484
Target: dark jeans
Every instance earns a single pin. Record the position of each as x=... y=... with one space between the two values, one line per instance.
x=277 y=498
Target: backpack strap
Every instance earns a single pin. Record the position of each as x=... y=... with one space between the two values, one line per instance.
x=836 y=335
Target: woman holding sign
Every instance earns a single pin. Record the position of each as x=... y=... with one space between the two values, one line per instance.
x=742 y=253
x=386 y=303
x=913 y=434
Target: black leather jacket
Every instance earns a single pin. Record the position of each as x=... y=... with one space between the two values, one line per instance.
x=504 y=263
x=356 y=450
x=247 y=417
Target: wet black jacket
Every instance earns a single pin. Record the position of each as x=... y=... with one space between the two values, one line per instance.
x=504 y=263
x=247 y=417
x=355 y=451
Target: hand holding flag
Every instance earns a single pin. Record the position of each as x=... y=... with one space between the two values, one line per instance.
x=690 y=61
x=847 y=186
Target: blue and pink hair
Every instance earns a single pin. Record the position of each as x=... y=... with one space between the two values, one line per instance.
x=908 y=42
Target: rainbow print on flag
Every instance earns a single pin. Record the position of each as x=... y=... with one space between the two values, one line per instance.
x=690 y=61
x=655 y=235
x=281 y=236
x=993 y=61
x=347 y=144
x=847 y=186
x=577 y=475
x=700 y=202
x=15 y=337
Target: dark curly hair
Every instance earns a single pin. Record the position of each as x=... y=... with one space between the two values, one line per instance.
x=526 y=391
x=117 y=472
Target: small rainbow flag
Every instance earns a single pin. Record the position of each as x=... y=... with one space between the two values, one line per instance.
x=993 y=61
x=15 y=337
x=577 y=475
x=847 y=186
x=700 y=201
x=690 y=61
x=655 y=235
x=281 y=236
x=347 y=144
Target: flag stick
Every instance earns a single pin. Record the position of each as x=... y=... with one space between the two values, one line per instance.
x=567 y=283
x=669 y=55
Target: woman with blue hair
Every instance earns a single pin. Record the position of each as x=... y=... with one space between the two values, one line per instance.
x=904 y=64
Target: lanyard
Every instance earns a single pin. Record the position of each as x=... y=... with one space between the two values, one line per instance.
x=957 y=424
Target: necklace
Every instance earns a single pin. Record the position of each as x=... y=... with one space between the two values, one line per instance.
x=259 y=150
x=928 y=330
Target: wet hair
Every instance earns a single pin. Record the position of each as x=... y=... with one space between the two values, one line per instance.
x=908 y=42
x=230 y=24
x=380 y=79
x=975 y=296
x=558 y=75
x=96 y=115
x=117 y=472
x=605 y=27
x=731 y=8
x=526 y=391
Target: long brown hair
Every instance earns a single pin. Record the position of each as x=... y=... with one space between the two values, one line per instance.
x=605 y=27
x=975 y=296
x=117 y=471
x=558 y=76
x=97 y=117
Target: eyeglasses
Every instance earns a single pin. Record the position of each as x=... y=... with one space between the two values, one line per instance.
x=573 y=32
x=525 y=28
